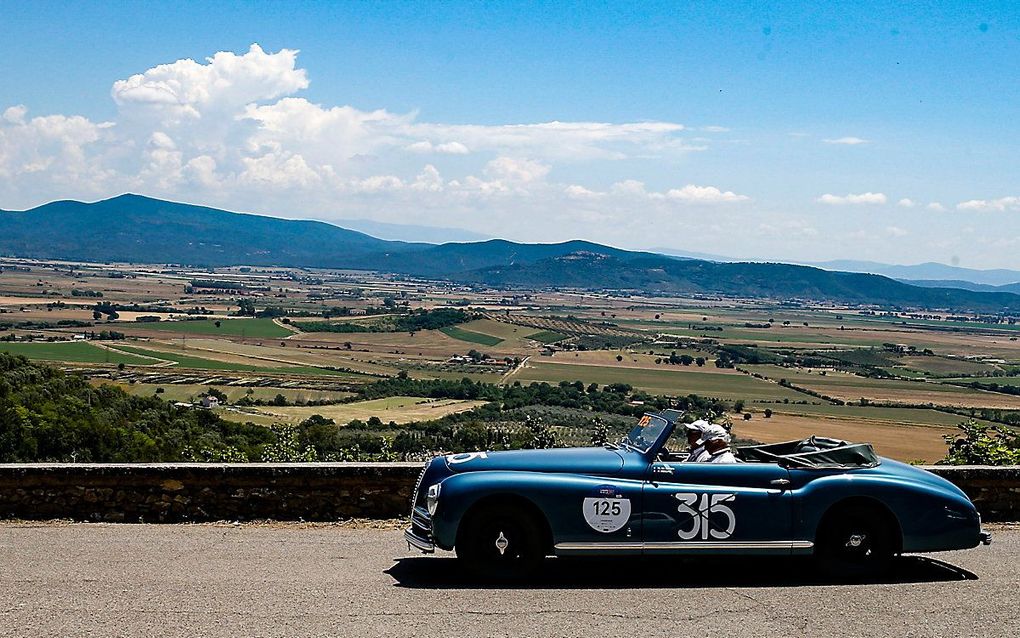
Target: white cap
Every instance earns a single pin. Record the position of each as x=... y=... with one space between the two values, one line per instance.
x=713 y=432
x=697 y=426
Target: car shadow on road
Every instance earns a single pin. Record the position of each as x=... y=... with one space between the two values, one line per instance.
x=612 y=573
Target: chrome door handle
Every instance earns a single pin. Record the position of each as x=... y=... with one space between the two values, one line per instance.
x=779 y=482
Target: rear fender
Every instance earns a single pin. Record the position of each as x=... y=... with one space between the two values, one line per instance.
x=928 y=517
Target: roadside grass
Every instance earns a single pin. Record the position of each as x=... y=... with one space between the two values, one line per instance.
x=471 y=337
x=254 y=328
x=72 y=352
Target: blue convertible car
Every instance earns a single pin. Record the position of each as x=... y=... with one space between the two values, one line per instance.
x=504 y=512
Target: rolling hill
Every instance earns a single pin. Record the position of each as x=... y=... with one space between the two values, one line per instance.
x=741 y=279
x=134 y=228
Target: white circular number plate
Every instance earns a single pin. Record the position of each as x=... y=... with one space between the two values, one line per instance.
x=606 y=514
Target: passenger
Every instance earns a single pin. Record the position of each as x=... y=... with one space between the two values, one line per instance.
x=717 y=445
x=694 y=439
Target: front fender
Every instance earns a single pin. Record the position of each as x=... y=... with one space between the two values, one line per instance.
x=558 y=497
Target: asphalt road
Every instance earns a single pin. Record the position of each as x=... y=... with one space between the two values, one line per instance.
x=204 y=580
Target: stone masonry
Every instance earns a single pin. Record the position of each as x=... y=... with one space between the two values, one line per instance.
x=181 y=492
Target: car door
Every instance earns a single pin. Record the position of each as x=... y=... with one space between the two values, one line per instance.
x=717 y=508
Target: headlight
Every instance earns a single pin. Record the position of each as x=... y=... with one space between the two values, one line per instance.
x=432 y=499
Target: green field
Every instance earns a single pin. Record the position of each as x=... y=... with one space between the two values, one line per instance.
x=471 y=337
x=849 y=387
x=1011 y=381
x=547 y=336
x=189 y=391
x=672 y=380
x=255 y=328
x=198 y=363
x=73 y=352
x=910 y=416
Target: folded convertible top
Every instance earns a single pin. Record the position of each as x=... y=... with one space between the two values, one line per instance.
x=814 y=452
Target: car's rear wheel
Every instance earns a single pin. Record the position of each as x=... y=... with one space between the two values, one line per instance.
x=855 y=542
x=500 y=542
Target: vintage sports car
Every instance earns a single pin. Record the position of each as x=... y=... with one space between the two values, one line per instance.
x=504 y=512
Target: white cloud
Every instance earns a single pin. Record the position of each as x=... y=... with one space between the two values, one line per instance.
x=576 y=191
x=704 y=195
x=846 y=141
x=896 y=231
x=936 y=206
x=227 y=81
x=231 y=127
x=851 y=198
x=508 y=169
x=1001 y=204
x=906 y=202
x=558 y=140
x=233 y=131
x=447 y=148
x=15 y=114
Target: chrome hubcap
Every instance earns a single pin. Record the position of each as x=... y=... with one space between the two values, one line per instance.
x=502 y=543
x=856 y=540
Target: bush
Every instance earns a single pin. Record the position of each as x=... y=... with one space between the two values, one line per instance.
x=979 y=444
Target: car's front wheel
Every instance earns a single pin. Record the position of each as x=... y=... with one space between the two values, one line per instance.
x=500 y=542
x=855 y=542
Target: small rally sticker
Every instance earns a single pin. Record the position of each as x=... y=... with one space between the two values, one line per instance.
x=464 y=457
x=606 y=510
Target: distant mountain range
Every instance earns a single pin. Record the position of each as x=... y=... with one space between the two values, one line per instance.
x=964 y=285
x=929 y=271
x=132 y=228
x=411 y=232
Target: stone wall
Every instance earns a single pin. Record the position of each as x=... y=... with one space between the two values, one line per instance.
x=994 y=490
x=172 y=493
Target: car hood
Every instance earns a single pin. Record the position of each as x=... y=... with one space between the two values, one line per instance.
x=584 y=460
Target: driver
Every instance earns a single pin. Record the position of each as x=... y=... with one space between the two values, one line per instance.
x=716 y=440
x=694 y=431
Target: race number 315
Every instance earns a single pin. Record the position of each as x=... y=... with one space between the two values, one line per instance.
x=709 y=517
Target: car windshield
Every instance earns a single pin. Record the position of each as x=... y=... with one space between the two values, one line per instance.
x=645 y=433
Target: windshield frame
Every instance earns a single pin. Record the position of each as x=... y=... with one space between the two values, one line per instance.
x=643 y=426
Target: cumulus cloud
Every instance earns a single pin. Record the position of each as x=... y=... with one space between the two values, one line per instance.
x=226 y=81
x=704 y=195
x=851 y=198
x=234 y=121
x=999 y=205
x=936 y=206
x=233 y=130
x=447 y=148
x=846 y=141
x=906 y=202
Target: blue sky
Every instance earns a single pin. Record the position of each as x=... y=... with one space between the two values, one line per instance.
x=767 y=130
